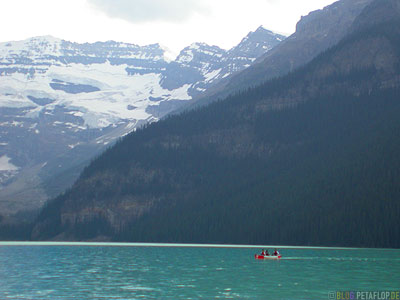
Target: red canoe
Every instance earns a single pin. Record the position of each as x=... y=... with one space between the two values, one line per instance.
x=257 y=256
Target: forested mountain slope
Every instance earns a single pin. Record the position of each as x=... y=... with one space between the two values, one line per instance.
x=310 y=158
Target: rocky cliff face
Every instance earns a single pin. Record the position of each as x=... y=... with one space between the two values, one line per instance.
x=377 y=12
x=61 y=103
x=315 y=33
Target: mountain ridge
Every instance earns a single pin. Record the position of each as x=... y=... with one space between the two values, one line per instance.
x=308 y=159
x=85 y=96
x=314 y=34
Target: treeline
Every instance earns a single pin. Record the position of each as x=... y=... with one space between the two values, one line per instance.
x=15 y=231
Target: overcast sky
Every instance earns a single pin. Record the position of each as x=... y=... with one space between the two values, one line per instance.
x=172 y=23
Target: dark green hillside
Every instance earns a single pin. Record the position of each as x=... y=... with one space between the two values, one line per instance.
x=311 y=158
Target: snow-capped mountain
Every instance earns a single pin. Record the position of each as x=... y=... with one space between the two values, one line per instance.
x=63 y=102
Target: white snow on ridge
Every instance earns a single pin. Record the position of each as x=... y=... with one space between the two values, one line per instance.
x=34 y=47
x=186 y=57
x=5 y=164
x=212 y=75
x=42 y=47
x=169 y=55
x=180 y=93
x=120 y=97
x=85 y=96
x=104 y=93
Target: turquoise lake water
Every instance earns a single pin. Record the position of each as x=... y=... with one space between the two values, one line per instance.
x=32 y=271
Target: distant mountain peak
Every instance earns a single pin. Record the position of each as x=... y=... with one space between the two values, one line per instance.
x=257 y=42
x=262 y=34
x=262 y=28
x=60 y=90
x=197 y=45
x=36 y=46
x=44 y=38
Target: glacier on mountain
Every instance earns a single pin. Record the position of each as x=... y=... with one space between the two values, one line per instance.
x=62 y=102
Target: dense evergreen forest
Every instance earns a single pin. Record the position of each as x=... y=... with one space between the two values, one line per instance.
x=311 y=158
x=341 y=187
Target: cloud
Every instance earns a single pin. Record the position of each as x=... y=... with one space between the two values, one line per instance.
x=141 y=11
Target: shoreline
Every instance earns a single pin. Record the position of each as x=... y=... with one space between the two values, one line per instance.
x=180 y=245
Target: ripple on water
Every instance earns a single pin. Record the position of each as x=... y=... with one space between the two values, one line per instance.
x=137 y=288
x=45 y=292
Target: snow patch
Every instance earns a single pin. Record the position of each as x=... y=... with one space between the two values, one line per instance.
x=169 y=55
x=119 y=93
x=5 y=164
x=212 y=75
x=73 y=145
x=186 y=57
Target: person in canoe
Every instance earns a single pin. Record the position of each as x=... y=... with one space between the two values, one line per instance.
x=266 y=253
x=263 y=252
x=276 y=253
